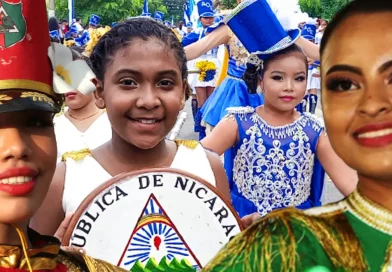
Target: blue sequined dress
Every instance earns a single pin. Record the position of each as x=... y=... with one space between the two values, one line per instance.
x=232 y=92
x=274 y=167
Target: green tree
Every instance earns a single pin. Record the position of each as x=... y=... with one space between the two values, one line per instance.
x=109 y=10
x=331 y=7
x=311 y=7
x=325 y=9
x=226 y=4
x=175 y=8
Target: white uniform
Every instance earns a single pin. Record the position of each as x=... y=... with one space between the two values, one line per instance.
x=69 y=138
x=212 y=56
x=84 y=175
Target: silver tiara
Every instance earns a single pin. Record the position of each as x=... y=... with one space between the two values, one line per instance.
x=255 y=60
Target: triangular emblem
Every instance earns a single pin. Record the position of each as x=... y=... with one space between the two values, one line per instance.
x=156 y=245
x=12 y=24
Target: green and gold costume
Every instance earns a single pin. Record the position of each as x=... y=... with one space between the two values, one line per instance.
x=354 y=234
x=47 y=256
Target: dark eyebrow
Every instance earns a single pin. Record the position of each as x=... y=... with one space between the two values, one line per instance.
x=168 y=72
x=344 y=68
x=131 y=71
x=385 y=66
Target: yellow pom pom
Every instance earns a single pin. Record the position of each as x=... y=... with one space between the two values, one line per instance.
x=204 y=67
x=95 y=35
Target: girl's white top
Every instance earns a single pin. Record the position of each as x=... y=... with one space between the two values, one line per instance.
x=84 y=175
x=69 y=138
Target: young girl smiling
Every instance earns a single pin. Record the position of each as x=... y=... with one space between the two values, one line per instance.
x=354 y=234
x=276 y=147
x=141 y=81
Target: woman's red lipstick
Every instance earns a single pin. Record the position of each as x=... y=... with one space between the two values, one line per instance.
x=374 y=135
x=70 y=94
x=287 y=98
x=18 y=181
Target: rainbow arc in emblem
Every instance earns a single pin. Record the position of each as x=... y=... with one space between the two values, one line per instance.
x=155 y=240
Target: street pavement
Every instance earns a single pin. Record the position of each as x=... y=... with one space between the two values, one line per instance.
x=330 y=193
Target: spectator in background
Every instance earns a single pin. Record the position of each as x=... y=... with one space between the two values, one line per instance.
x=64 y=26
x=320 y=32
x=78 y=25
x=54 y=30
x=189 y=28
x=181 y=29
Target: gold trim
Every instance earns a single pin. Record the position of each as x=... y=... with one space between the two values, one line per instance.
x=27 y=85
x=4 y=97
x=76 y=155
x=369 y=212
x=388 y=259
x=99 y=265
x=272 y=241
x=192 y=144
x=38 y=97
x=71 y=266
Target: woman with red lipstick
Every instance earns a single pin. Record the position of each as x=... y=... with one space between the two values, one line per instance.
x=83 y=125
x=354 y=234
x=276 y=150
x=28 y=103
x=143 y=91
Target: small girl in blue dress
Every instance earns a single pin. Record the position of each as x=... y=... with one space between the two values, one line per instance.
x=273 y=151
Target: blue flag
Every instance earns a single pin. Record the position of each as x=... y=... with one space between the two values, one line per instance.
x=145 y=7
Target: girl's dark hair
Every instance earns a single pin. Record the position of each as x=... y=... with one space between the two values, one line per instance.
x=353 y=8
x=253 y=72
x=124 y=33
x=53 y=24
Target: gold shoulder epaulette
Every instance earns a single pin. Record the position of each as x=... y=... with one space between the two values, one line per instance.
x=192 y=144
x=76 y=155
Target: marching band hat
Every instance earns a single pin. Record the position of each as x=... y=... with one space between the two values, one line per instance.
x=26 y=80
x=94 y=20
x=146 y=15
x=258 y=29
x=159 y=16
x=205 y=8
x=73 y=30
x=189 y=25
x=309 y=31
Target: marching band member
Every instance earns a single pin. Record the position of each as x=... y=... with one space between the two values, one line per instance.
x=203 y=89
x=277 y=150
x=143 y=91
x=28 y=147
x=83 y=124
x=354 y=234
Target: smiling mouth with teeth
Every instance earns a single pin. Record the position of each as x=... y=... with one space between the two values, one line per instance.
x=16 y=180
x=375 y=134
x=146 y=121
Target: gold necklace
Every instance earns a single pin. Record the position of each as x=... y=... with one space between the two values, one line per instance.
x=369 y=212
x=84 y=118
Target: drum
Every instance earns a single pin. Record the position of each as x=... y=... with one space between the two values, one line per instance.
x=154 y=220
